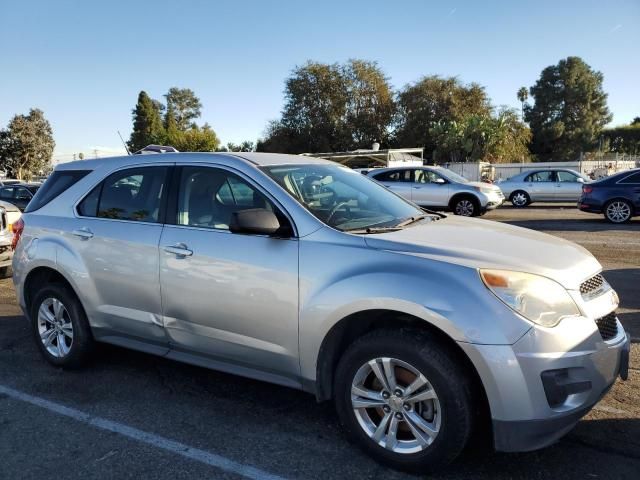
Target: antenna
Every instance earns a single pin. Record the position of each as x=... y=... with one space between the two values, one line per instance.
x=124 y=143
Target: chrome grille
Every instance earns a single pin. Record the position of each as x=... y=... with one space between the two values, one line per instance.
x=592 y=284
x=608 y=326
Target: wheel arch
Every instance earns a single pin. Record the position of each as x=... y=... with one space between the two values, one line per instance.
x=40 y=276
x=351 y=327
x=460 y=195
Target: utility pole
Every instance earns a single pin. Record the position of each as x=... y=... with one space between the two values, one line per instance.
x=95 y=153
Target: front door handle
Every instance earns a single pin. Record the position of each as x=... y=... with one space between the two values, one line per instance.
x=83 y=233
x=417 y=188
x=179 y=250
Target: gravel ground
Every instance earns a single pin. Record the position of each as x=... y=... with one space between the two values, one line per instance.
x=275 y=429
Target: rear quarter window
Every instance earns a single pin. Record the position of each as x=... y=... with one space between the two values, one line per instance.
x=58 y=182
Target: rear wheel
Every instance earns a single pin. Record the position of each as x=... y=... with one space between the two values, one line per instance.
x=60 y=326
x=404 y=399
x=618 y=211
x=520 y=199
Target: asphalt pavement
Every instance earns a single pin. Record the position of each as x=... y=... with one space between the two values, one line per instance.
x=132 y=415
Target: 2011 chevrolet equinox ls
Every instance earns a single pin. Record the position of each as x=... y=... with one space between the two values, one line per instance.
x=304 y=273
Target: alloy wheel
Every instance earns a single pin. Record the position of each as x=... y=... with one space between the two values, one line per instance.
x=55 y=327
x=465 y=208
x=618 y=211
x=519 y=199
x=395 y=405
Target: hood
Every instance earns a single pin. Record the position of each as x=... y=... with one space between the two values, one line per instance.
x=485 y=244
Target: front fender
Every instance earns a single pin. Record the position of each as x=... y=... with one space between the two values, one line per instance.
x=450 y=297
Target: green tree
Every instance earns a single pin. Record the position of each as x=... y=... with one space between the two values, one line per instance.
x=435 y=99
x=569 y=110
x=523 y=95
x=27 y=144
x=184 y=106
x=245 y=146
x=332 y=108
x=147 y=124
x=625 y=139
x=370 y=104
x=196 y=139
x=493 y=138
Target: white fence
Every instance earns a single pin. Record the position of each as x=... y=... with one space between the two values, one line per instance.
x=591 y=168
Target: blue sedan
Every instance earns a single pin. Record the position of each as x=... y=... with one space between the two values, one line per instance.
x=617 y=196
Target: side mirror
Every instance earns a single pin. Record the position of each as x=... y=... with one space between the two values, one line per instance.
x=440 y=181
x=258 y=221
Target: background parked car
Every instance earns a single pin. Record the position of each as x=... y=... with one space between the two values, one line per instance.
x=19 y=194
x=9 y=181
x=9 y=214
x=543 y=185
x=617 y=197
x=439 y=188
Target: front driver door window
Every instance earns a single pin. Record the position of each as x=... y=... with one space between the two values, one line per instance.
x=230 y=298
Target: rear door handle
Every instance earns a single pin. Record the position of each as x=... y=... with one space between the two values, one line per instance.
x=179 y=249
x=83 y=233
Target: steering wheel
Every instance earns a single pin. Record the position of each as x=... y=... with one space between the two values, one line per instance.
x=335 y=209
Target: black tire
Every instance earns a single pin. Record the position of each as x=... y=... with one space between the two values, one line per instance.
x=461 y=205
x=515 y=197
x=5 y=272
x=621 y=214
x=81 y=345
x=445 y=374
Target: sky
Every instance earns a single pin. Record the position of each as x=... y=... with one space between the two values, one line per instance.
x=84 y=62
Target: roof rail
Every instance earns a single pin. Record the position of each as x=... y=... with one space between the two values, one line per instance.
x=156 y=149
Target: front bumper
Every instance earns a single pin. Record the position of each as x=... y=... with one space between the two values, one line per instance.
x=529 y=413
x=492 y=202
x=6 y=253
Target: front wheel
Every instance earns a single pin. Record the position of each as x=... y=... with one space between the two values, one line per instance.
x=618 y=211
x=404 y=399
x=466 y=207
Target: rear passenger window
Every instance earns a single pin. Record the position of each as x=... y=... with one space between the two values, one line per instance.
x=58 y=182
x=133 y=194
x=633 y=179
x=394 y=176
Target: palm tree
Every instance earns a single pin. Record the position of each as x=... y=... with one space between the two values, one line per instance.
x=523 y=94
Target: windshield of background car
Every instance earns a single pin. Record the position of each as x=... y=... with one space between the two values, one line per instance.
x=453 y=176
x=342 y=198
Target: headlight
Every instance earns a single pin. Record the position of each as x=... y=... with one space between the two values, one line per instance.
x=536 y=298
x=486 y=191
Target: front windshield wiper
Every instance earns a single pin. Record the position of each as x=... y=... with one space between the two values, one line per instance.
x=370 y=230
x=410 y=220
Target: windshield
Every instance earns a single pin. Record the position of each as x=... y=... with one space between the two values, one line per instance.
x=342 y=198
x=453 y=176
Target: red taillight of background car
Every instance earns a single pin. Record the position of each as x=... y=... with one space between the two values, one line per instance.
x=17 y=229
x=587 y=189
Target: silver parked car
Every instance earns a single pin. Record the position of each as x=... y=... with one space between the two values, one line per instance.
x=9 y=214
x=440 y=189
x=543 y=185
x=304 y=273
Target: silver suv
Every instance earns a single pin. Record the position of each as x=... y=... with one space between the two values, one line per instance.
x=304 y=273
x=440 y=189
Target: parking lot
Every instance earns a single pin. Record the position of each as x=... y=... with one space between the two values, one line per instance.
x=132 y=415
